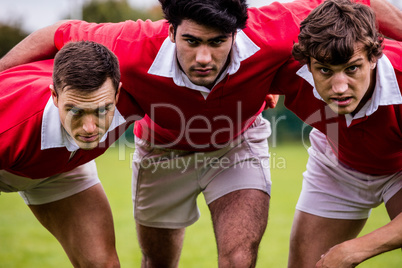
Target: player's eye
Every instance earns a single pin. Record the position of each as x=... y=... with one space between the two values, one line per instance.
x=353 y=68
x=74 y=111
x=217 y=42
x=103 y=111
x=191 y=42
x=324 y=70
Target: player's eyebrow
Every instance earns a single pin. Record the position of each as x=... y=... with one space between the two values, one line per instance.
x=317 y=62
x=72 y=105
x=219 y=37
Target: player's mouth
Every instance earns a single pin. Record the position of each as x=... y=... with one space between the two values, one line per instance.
x=88 y=138
x=342 y=101
x=203 y=71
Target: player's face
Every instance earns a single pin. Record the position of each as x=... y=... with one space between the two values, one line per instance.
x=202 y=52
x=87 y=116
x=345 y=87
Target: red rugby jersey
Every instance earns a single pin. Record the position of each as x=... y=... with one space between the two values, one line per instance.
x=178 y=117
x=24 y=95
x=370 y=144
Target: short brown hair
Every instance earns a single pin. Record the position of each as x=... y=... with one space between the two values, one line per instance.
x=330 y=32
x=84 y=66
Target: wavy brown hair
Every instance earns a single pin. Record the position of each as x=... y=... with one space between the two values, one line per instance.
x=331 y=31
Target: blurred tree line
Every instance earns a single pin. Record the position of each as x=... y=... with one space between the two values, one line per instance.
x=10 y=34
x=285 y=125
x=93 y=11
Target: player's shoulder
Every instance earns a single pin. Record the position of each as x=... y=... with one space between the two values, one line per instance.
x=139 y=30
x=24 y=93
x=393 y=50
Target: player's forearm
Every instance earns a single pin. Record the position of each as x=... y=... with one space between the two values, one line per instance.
x=37 y=46
x=389 y=18
x=355 y=251
x=386 y=238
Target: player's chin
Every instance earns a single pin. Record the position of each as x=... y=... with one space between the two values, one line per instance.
x=341 y=110
x=88 y=145
x=204 y=81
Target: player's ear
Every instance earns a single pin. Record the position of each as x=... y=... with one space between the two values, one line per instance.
x=118 y=92
x=172 y=33
x=54 y=95
x=373 y=64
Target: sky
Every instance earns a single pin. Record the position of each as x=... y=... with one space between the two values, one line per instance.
x=36 y=14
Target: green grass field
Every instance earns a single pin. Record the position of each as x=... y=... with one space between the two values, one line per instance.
x=25 y=243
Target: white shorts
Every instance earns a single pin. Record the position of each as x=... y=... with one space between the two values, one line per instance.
x=334 y=190
x=42 y=191
x=166 y=182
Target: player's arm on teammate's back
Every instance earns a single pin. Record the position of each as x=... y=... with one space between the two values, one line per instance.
x=389 y=18
x=39 y=45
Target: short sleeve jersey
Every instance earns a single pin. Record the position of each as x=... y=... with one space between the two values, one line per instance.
x=371 y=144
x=24 y=95
x=177 y=117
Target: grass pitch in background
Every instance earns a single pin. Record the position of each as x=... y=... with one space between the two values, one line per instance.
x=25 y=243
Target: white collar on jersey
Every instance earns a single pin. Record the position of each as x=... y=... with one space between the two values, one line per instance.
x=165 y=63
x=386 y=91
x=53 y=134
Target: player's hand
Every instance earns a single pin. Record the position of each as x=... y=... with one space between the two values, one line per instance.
x=270 y=101
x=338 y=256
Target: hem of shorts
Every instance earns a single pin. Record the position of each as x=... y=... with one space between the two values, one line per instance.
x=389 y=194
x=238 y=188
x=335 y=215
x=167 y=225
x=53 y=198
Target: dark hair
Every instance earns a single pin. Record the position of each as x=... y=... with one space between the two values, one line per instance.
x=226 y=16
x=330 y=32
x=84 y=66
